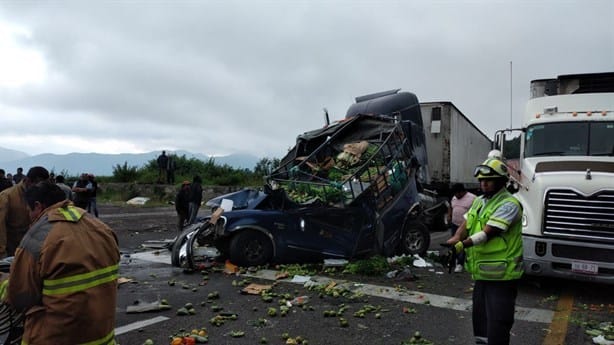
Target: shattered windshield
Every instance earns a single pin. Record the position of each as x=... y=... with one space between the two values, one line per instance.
x=570 y=139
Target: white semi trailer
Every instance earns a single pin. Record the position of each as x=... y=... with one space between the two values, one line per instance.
x=566 y=177
x=454 y=145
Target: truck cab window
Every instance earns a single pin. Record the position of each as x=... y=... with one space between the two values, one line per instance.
x=557 y=139
x=602 y=139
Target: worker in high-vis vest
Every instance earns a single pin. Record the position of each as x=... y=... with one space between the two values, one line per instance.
x=64 y=274
x=491 y=238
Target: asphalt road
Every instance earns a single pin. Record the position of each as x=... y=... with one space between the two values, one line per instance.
x=432 y=302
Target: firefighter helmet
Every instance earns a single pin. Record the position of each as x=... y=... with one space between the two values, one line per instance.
x=490 y=169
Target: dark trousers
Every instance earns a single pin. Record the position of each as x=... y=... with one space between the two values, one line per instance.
x=183 y=215
x=493 y=310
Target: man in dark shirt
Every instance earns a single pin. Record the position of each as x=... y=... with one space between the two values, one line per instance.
x=92 y=206
x=196 y=197
x=4 y=182
x=162 y=166
x=82 y=192
x=182 y=205
x=19 y=176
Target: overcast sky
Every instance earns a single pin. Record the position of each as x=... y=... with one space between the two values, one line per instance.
x=222 y=77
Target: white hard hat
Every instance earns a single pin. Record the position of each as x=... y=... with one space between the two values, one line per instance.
x=495 y=154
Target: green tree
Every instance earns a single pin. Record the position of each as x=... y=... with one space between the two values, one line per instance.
x=125 y=173
x=265 y=166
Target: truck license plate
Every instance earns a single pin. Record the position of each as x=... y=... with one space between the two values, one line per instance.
x=584 y=267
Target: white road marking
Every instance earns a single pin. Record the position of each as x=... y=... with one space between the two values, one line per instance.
x=139 y=324
x=162 y=256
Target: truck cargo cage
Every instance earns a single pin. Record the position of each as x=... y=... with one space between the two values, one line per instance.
x=362 y=156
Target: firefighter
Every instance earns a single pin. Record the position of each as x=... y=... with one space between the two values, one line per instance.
x=14 y=218
x=492 y=240
x=64 y=274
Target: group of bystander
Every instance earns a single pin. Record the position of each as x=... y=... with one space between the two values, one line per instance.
x=65 y=261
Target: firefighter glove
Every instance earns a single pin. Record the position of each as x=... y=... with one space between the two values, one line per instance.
x=459 y=247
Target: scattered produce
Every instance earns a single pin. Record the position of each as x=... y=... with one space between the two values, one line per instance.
x=237 y=334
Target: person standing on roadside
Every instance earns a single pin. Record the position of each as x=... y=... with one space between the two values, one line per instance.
x=182 y=205
x=65 y=286
x=14 y=216
x=81 y=189
x=171 y=166
x=196 y=197
x=59 y=180
x=18 y=176
x=92 y=206
x=459 y=205
x=4 y=182
x=162 y=166
x=491 y=237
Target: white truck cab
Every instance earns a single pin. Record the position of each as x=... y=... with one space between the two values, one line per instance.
x=566 y=178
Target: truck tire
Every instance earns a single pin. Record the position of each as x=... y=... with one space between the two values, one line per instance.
x=250 y=248
x=416 y=239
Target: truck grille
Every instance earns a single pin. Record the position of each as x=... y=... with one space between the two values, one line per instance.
x=569 y=214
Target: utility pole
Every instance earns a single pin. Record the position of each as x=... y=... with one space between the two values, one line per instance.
x=511 y=95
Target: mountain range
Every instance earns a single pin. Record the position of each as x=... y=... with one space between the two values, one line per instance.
x=100 y=164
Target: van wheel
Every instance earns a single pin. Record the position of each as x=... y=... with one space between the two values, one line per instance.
x=250 y=248
x=416 y=239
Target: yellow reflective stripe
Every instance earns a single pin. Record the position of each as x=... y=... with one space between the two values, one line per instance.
x=70 y=213
x=108 y=339
x=80 y=282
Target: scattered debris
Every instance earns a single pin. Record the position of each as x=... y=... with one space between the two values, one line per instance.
x=139 y=200
x=417 y=339
x=256 y=289
x=122 y=280
x=282 y=275
x=300 y=279
x=374 y=266
x=335 y=262
x=237 y=334
x=230 y=268
x=420 y=262
x=221 y=318
x=142 y=307
x=158 y=244
x=602 y=333
x=298 y=301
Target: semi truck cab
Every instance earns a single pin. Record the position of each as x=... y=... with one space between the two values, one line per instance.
x=566 y=180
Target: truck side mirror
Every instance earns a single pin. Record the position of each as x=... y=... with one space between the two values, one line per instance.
x=499 y=141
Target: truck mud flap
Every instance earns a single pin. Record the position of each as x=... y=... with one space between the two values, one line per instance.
x=186 y=251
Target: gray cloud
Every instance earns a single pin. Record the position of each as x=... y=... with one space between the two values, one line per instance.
x=248 y=76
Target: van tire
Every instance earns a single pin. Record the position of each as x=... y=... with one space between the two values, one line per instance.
x=250 y=248
x=416 y=239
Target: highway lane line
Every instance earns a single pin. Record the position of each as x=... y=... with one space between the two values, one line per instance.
x=139 y=324
x=560 y=321
x=417 y=297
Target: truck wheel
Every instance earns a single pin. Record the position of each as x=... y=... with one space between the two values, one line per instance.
x=250 y=248
x=416 y=239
